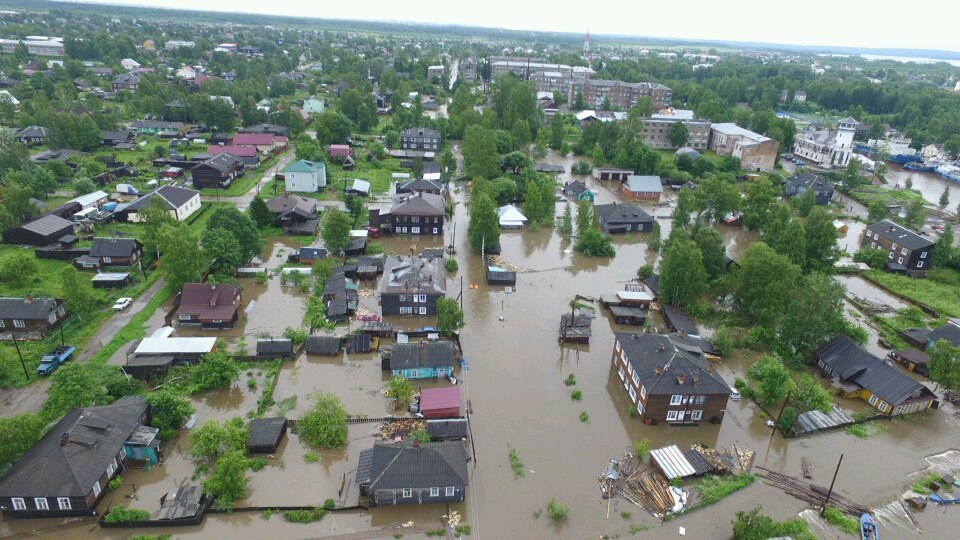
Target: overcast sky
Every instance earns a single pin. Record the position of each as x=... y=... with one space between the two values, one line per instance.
x=811 y=22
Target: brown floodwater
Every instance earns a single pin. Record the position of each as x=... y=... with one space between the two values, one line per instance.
x=929 y=184
x=515 y=387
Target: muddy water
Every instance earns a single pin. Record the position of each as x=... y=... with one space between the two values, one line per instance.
x=929 y=184
x=861 y=288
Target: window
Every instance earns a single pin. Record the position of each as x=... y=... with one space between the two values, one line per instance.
x=17 y=323
x=894 y=246
x=696 y=415
x=403 y=298
x=700 y=399
x=636 y=379
x=898 y=410
x=633 y=395
x=96 y=488
x=620 y=370
x=41 y=503
x=423 y=310
x=64 y=503
x=900 y=260
x=639 y=408
x=407 y=493
x=671 y=416
x=434 y=230
x=107 y=260
x=873 y=400
x=919 y=264
x=675 y=400
x=903 y=251
x=643 y=392
x=415 y=230
x=1 y=323
x=434 y=492
x=450 y=491
x=923 y=255
x=406 y=310
x=413 y=374
x=111 y=467
x=18 y=504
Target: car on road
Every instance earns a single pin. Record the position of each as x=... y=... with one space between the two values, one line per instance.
x=734 y=394
x=369 y=317
x=122 y=304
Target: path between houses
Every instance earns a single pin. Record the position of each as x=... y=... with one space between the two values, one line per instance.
x=243 y=201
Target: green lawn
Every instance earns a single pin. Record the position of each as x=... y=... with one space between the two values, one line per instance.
x=245 y=183
x=942 y=293
x=867 y=194
x=380 y=175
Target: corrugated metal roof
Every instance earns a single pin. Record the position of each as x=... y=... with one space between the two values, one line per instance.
x=672 y=462
x=173 y=345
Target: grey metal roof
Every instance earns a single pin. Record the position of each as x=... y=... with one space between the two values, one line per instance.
x=56 y=469
x=678 y=319
x=615 y=214
x=448 y=428
x=46 y=225
x=413 y=275
x=274 y=346
x=420 y=355
x=419 y=184
x=949 y=331
x=113 y=247
x=420 y=132
x=21 y=308
x=658 y=360
x=400 y=466
x=175 y=197
x=222 y=162
x=644 y=184
x=418 y=204
x=181 y=502
x=322 y=345
x=266 y=431
x=854 y=364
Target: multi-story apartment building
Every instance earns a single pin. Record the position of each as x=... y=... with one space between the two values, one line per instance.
x=656 y=130
x=622 y=95
x=906 y=248
x=420 y=138
x=38 y=45
x=755 y=152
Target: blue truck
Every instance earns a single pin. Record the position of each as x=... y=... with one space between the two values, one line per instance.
x=53 y=359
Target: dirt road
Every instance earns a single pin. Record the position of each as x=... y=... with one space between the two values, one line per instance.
x=243 y=201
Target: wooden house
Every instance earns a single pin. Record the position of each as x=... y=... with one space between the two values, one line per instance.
x=859 y=374
x=116 y=251
x=217 y=172
x=423 y=360
x=412 y=473
x=412 y=286
x=295 y=214
x=622 y=218
x=29 y=317
x=209 y=305
x=912 y=359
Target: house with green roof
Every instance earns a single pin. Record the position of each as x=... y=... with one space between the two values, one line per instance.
x=305 y=176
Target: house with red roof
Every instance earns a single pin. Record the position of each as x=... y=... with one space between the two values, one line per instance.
x=265 y=143
x=209 y=305
x=248 y=154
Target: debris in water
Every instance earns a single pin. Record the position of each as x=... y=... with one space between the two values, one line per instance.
x=806 y=467
x=683 y=531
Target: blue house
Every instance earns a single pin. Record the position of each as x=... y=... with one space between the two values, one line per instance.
x=430 y=360
x=579 y=191
x=950 y=331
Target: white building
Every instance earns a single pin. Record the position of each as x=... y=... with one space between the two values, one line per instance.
x=827 y=148
x=314 y=105
x=130 y=64
x=305 y=176
x=511 y=217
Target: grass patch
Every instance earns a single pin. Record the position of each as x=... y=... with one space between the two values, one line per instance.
x=246 y=182
x=305 y=516
x=270 y=382
x=869 y=193
x=576 y=395
x=380 y=175
x=922 y=485
x=846 y=523
x=121 y=514
x=941 y=294
x=714 y=488
x=866 y=430
x=557 y=512
x=570 y=380
x=584 y=417
x=516 y=464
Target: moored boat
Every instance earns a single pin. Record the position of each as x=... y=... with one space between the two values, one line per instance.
x=949 y=171
x=906 y=158
x=868 y=528
x=918 y=166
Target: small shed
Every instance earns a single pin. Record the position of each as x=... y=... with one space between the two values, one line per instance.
x=913 y=360
x=675 y=463
x=440 y=402
x=916 y=337
x=633 y=316
x=275 y=348
x=499 y=276
x=324 y=345
x=108 y=280
x=635 y=298
x=183 y=503
x=678 y=320
x=447 y=429
x=575 y=329
x=266 y=434
x=359 y=343
x=148 y=367
x=359 y=187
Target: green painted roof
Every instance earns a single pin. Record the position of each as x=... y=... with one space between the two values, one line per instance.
x=305 y=166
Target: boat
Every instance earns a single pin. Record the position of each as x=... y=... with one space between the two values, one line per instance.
x=918 y=166
x=936 y=498
x=868 y=528
x=949 y=171
x=906 y=158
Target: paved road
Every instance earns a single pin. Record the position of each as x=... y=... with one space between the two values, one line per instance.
x=243 y=201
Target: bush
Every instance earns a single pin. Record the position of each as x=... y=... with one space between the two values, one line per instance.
x=846 y=523
x=645 y=271
x=593 y=243
x=570 y=380
x=170 y=411
x=581 y=167
x=120 y=514
x=642 y=447
x=420 y=435
x=257 y=464
x=115 y=483
x=310 y=457
x=758 y=337
x=374 y=248
x=788 y=419
x=516 y=464
x=584 y=417
x=873 y=257
x=714 y=488
x=229 y=481
x=452 y=265
x=576 y=395
x=723 y=342
x=325 y=424
x=557 y=511
x=305 y=516
x=296 y=335
x=217 y=370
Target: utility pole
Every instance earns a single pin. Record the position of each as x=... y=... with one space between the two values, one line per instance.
x=830 y=491
x=777 y=422
x=22 y=363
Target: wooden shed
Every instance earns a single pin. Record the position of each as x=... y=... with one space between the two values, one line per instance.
x=499 y=276
x=440 y=402
x=266 y=434
x=325 y=345
x=275 y=348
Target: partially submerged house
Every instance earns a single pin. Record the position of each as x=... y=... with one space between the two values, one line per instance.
x=66 y=472
x=669 y=378
x=413 y=473
x=266 y=434
x=209 y=305
x=275 y=348
x=859 y=374
x=907 y=250
x=322 y=345
x=912 y=359
x=413 y=213
x=412 y=286
x=677 y=320
x=448 y=429
x=642 y=188
x=949 y=331
x=620 y=218
x=511 y=217
x=295 y=214
x=799 y=184
x=422 y=360
x=578 y=190
x=443 y=402
x=29 y=317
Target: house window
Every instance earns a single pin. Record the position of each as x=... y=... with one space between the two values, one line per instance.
x=96 y=489
x=900 y=260
x=434 y=230
x=407 y=493
x=676 y=399
x=898 y=410
x=919 y=264
x=403 y=298
x=434 y=492
x=696 y=415
x=903 y=251
x=923 y=255
x=639 y=408
x=643 y=392
x=636 y=379
x=107 y=260
x=700 y=399
x=17 y=323
x=406 y=310
x=620 y=371
x=18 y=504
x=415 y=230
x=883 y=406
x=64 y=503
x=423 y=311
x=671 y=416
x=41 y=503
x=450 y=491
x=873 y=400
x=633 y=395
x=1 y=323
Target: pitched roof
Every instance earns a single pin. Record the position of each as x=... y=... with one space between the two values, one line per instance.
x=447 y=428
x=239 y=151
x=949 y=331
x=288 y=202
x=222 y=162
x=305 y=166
x=210 y=301
x=420 y=132
x=617 y=213
x=113 y=247
x=419 y=184
x=46 y=225
x=175 y=197
x=322 y=345
x=21 y=308
x=446 y=397
x=899 y=234
x=644 y=184
x=399 y=466
x=418 y=204
x=807 y=180
x=510 y=214
x=852 y=363
x=420 y=355
x=33 y=132
x=94 y=437
x=274 y=346
x=402 y=275
x=256 y=139
x=669 y=364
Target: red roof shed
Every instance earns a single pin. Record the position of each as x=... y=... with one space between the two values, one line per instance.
x=339 y=150
x=440 y=402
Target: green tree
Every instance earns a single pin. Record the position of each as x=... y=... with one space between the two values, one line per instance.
x=686 y=204
x=556 y=131
x=810 y=395
x=448 y=164
x=682 y=276
x=449 y=316
x=793 y=243
x=212 y=439
x=217 y=370
x=713 y=251
x=505 y=189
x=566 y=222
x=771 y=378
x=229 y=481
x=180 y=261
x=877 y=211
x=679 y=134
x=78 y=293
x=812 y=314
x=593 y=243
x=763 y=281
x=761 y=196
x=325 y=424
x=716 y=198
x=484 y=228
x=16 y=267
x=944 y=253
x=480 y=156
x=400 y=390
x=804 y=202
x=74 y=386
x=82 y=186
x=336 y=231
x=154 y=217
x=17 y=435
x=169 y=411
x=945 y=364
x=945 y=197
x=876 y=257
x=241 y=227
x=584 y=217
x=260 y=214
x=222 y=251
x=821 y=240
x=916 y=214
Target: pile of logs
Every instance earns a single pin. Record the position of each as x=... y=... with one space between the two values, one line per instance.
x=811 y=493
x=400 y=428
x=732 y=460
x=649 y=490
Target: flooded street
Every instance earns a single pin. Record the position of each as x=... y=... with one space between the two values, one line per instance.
x=929 y=184
x=515 y=389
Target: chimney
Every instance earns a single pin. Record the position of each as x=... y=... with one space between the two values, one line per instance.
x=661 y=347
x=658 y=370
x=681 y=378
x=696 y=378
x=64 y=438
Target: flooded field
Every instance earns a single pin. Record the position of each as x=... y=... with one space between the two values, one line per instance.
x=518 y=398
x=929 y=184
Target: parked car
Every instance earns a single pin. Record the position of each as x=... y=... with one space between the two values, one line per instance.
x=369 y=317
x=122 y=304
x=374 y=232
x=734 y=394
x=55 y=358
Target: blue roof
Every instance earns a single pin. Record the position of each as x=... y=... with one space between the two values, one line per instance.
x=650 y=184
x=305 y=166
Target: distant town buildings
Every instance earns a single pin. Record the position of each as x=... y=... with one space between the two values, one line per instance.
x=620 y=95
x=755 y=152
x=38 y=45
x=656 y=129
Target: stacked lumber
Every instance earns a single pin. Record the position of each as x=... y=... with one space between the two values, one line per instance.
x=732 y=460
x=400 y=428
x=811 y=493
x=649 y=490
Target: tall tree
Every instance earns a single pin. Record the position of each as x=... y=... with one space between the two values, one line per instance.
x=793 y=243
x=480 y=156
x=449 y=316
x=260 y=214
x=945 y=364
x=556 y=131
x=713 y=251
x=716 y=198
x=682 y=277
x=679 y=134
x=771 y=378
x=761 y=196
x=945 y=197
x=877 y=211
x=222 y=250
x=484 y=228
x=78 y=294
x=821 y=240
x=179 y=246
x=241 y=227
x=763 y=281
x=812 y=315
x=154 y=217
x=336 y=231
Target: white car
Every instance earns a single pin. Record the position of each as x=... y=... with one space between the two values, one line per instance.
x=122 y=304
x=734 y=394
